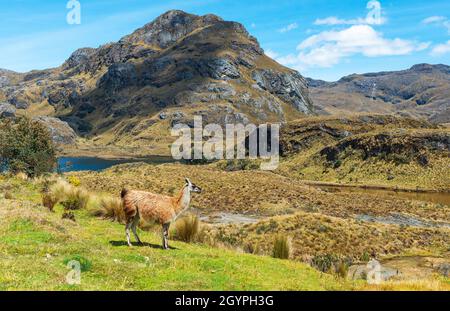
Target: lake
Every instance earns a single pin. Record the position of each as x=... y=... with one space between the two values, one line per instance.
x=73 y=164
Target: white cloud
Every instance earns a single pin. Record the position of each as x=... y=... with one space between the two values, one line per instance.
x=333 y=20
x=434 y=19
x=373 y=17
x=288 y=28
x=441 y=49
x=328 y=48
x=438 y=20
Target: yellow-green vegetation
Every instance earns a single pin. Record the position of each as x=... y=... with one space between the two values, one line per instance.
x=37 y=246
x=368 y=150
x=255 y=193
x=314 y=234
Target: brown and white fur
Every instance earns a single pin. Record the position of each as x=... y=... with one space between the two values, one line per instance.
x=155 y=207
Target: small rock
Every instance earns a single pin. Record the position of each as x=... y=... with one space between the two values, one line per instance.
x=7 y=110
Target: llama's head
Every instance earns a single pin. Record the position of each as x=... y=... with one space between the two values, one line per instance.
x=192 y=187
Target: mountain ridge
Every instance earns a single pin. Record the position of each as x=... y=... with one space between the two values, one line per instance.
x=422 y=91
x=172 y=68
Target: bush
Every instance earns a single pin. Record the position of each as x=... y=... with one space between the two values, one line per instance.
x=68 y=215
x=74 y=181
x=186 y=229
x=60 y=190
x=8 y=195
x=324 y=263
x=330 y=263
x=252 y=248
x=111 y=208
x=49 y=201
x=76 y=199
x=26 y=146
x=281 y=247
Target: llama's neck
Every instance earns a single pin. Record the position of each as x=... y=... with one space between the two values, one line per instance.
x=183 y=200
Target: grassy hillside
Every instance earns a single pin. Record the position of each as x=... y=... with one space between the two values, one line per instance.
x=37 y=244
x=368 y=150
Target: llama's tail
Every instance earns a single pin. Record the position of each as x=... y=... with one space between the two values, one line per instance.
x=129 y=208
x=123 y=193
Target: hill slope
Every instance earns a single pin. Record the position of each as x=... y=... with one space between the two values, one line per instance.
x=36 y=246
x=421 y=91
x=372 y=149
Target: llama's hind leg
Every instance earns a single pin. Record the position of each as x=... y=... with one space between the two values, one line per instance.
x=133 y=228
x=127 y=231
x=165 y=235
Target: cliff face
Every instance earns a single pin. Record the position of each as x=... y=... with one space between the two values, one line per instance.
x=175 y=67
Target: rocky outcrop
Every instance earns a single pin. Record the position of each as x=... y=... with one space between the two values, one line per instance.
x=291 y=87
x=7 y=110
x=60 y=131
x=118 y=77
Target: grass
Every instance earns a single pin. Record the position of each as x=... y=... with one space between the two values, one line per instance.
x=281 y=247
x=38 y=245
x=186 y=229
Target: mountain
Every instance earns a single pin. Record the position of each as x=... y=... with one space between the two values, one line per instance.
x=132 y=91
x=422 y=91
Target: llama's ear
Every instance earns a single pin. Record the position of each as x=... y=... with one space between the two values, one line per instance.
x=187 y=180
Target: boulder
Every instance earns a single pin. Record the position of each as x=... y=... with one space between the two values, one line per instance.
x=60 y=131
x=7 y=110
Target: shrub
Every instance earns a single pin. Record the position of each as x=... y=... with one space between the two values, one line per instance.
x=112 y=208
x=74 y=181
x=252 y=248
x=8 y=195
x=49 y=201
x=26 y=146
x=324 y=263
x=68 y=215
x=60 y=190
x=281 y=247
x=330 y=263
x=76 y=199
x=186 y=229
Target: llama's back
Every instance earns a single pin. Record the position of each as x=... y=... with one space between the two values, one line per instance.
x=151 y=206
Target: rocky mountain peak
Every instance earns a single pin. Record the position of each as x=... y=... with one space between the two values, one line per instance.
x=178 y=65
x=169 y=27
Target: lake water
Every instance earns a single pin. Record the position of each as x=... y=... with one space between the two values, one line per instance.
x=72 y=164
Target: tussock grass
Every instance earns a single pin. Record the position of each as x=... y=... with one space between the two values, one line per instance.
x=186 y=229
x=8 y=195
x=111 y=208
x=77 y=198
x=49 y=200
x=281 y=247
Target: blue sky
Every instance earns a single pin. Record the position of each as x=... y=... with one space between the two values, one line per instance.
x=321 y=38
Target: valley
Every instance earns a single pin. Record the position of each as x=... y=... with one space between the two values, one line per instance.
x=364 y=169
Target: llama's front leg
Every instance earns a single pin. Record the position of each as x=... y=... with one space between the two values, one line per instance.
x=165 y=234
x=127 y=232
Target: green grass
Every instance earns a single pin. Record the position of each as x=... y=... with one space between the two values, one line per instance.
x=37 y=245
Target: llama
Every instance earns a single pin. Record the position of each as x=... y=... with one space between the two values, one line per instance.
x=155 y=207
